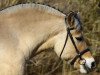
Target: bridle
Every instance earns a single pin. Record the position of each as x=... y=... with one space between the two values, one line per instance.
x=79 y=54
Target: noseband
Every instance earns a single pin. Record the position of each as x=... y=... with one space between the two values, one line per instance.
x=79 y=54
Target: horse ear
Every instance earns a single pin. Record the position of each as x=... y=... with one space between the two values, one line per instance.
x=70 y=19
x=73 y=21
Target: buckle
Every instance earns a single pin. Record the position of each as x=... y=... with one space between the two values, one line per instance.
x=82 y=61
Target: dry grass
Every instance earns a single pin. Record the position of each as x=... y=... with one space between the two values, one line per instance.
x=90 y=14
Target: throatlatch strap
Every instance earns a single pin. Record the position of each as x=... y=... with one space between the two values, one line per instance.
x=64 y=44
x=65 y=40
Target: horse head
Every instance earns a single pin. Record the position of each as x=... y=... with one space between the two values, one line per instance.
x=75 y=47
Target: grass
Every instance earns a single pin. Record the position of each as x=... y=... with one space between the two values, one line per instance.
x=90 y=14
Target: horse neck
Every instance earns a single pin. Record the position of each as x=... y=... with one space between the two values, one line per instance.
x=46 y=36
x=34 y=32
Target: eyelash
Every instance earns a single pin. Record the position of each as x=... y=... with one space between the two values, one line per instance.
x=80 y=38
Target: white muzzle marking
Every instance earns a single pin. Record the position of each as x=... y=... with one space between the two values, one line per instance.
x=88 y=63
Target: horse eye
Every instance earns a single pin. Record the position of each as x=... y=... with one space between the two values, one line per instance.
x=79 y=38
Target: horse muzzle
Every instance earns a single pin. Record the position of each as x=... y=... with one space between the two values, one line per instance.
x=86 y=64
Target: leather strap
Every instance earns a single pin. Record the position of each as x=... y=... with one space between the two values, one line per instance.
x=79 y=55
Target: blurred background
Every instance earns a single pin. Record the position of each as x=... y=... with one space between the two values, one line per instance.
x=47 y=62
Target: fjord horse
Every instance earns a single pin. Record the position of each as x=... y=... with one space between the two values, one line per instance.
x=27 y=28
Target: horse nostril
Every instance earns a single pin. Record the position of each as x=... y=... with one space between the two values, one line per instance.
x=93 y=65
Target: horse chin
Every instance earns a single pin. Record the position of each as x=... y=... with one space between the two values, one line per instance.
x=84 y=69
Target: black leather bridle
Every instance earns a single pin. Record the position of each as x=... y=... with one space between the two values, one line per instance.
x=79 y=54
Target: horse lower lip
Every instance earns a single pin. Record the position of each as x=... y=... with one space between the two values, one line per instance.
x=87 y=68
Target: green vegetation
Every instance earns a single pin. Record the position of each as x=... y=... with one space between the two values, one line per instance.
x=90 y=14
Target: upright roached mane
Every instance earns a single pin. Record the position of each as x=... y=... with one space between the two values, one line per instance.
x=28 y=28
x=40 y=7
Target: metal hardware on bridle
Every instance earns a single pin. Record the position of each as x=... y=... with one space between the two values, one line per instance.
x=79 y=54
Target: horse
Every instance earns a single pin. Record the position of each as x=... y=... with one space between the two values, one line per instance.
x=29 y=28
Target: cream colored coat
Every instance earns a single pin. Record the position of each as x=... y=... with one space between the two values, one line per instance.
x=28 y=27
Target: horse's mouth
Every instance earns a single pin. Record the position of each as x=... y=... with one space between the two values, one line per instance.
x=85 y=69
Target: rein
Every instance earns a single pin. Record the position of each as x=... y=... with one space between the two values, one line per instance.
x=79 y=54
